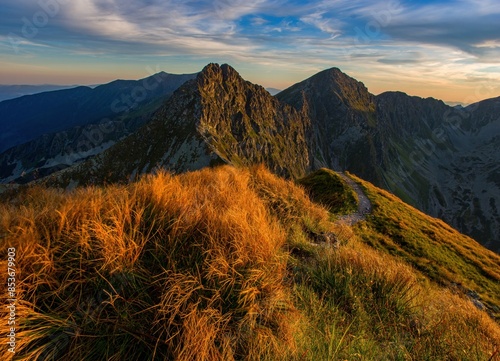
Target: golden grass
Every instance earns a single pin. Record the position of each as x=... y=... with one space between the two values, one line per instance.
x=288 y=202
x=223 y=264
x=167 y=267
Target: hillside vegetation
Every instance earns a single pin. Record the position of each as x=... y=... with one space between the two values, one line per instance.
x=231 y=264
x=431 y=246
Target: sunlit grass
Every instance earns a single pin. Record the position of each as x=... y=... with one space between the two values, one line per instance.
x=170 y=267
x=431 y=246
x=227 y=264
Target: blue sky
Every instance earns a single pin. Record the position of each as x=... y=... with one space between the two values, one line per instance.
x=445 y=49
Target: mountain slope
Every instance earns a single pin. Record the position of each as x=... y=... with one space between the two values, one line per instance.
x=53 y=151
x=225 y=264
x=25 y=118
x=50 y=152
x=431 y=246
x=218 y=117
x=440 y=159
x=446 y=163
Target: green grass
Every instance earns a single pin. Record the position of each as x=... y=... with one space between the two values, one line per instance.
x=327 y=188
x=430 y=246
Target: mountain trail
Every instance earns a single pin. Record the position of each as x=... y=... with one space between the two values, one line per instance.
x=364 y=204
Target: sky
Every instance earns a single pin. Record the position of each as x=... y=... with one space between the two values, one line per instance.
x=444 y=49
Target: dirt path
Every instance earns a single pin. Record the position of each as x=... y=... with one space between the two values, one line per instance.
x=364 y=205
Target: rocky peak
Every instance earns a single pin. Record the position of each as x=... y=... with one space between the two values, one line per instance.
x=216 y=80
x=341 y=111
x=221 y=74
x=244 y=124
x=331 y=86
x=335 y=80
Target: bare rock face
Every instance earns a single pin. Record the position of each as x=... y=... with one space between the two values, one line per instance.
x=243 y=124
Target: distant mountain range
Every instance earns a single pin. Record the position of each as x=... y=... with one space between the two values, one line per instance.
x=53 y=130
x=25 y=118
x=444 y=160
x=16 y=91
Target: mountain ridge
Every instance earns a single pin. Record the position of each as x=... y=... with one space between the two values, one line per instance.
x=206 y=122
x=25 y=118
x=441 y=159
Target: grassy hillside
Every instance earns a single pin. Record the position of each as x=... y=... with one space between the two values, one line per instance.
x=221 y=264
x=432 y=247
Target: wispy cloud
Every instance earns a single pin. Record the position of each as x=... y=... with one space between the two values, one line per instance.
x=322 y=22
x=436 y=38
x=410 y=57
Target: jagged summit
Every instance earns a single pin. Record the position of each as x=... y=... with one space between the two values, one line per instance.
x=224 y=73
x=223 y=78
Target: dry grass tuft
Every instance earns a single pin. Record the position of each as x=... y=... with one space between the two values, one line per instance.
x=186 y=267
